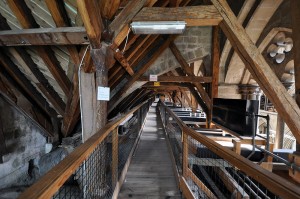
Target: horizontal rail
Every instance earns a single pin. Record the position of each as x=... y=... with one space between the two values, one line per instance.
x=271 y=181
x=50 y=183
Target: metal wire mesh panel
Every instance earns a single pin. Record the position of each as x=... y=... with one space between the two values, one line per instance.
x=93 y=179
x=212 y=176
x=97 y=176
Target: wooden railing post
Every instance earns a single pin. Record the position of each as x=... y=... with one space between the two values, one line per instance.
x=115 y=156
x=185 y=154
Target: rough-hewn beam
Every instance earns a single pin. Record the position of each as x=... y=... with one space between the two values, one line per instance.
x=90 y=14
x=192 y=89
x=44 y=36
x=54 y=67
x=125 y=16
x=123 y=61
x=42 y=83
x=72 y=112
x=193 y=16
x=136 y=46
x=215 y=61
x=179 y=79
x=27 y=21
x=189 y=72
x=25 y=84
x=109 y=8
x=259 y=68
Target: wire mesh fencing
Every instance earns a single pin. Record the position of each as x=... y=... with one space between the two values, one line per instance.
x=98 y=175
x=207 y=174
x=210 y=175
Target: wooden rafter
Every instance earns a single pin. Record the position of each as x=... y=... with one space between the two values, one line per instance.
x=23 y=14
x=44 y=36
x=193 y=15
x=71 y=115
x=148 y=61
x=189 y=72
x=144 y=50
x=41 y=82
x=91 y=17
x=123 y=61
x=258 y=67
x=119 y=24
x=191 y=88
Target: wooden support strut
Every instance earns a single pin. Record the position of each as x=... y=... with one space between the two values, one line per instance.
x=189 y=72
x=259 y=68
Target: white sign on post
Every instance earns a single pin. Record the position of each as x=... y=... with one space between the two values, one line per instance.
x=153 y=78
x=103 y=93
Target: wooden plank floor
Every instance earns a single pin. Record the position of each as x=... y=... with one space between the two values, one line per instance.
x=150 y=174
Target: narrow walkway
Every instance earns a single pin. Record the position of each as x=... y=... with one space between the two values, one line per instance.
x=150 y=174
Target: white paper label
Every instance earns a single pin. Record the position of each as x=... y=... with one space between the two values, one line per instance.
x=153 y=78
x=103 y=93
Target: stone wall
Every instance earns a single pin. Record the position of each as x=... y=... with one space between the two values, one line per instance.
x=194 y=45
x=24 y=143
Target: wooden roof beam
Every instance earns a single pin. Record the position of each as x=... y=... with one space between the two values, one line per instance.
x=120 y=24
x=25 y=84
x=259 y=68
x=41 y=82
x=151 y=58
x=72 y=112
x=189 y=72
x=193 y=15
x=23 y=14
x=44 y=36
x=191 y=87
x=123 y=61
x=179 y=79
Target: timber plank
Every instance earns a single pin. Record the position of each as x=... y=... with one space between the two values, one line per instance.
x=44 y=36
x=193 y=15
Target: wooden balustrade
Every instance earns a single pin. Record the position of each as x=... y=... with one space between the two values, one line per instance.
x=52 y=181
x=271 y=181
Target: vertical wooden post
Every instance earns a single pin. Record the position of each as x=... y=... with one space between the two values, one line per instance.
x=295 y=7
x=88 y=104
x=215 y=62
x=115 y=155
x=279 y=133
x=185 y=154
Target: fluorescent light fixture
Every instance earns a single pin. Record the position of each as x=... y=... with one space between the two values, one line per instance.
x=158 y=27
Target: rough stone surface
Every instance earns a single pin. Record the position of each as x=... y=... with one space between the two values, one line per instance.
x=194 y=44
x=24 y=142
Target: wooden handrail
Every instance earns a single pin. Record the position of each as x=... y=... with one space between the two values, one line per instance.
x=271 y=181
x=50 y=183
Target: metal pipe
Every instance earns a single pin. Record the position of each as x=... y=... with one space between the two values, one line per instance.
x=291 y=165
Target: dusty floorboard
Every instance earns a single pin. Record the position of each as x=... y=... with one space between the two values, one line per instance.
x=150 y=174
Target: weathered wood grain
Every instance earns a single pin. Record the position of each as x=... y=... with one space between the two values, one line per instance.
x=193 y=15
